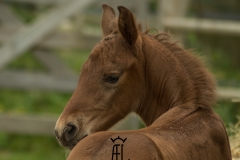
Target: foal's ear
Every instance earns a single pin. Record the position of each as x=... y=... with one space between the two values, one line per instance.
x=127 y=25
x=107 y=17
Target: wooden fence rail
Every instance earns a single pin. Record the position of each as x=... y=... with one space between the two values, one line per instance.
x=203 y=25
x=27 y=124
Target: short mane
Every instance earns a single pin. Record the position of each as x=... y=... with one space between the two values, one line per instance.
x=203 y=81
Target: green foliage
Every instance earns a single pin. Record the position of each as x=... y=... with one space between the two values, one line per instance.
x=228 y=111
x=74 y=59
x=223 y=66
x=153 y=6
x=26 y=12
x=25 y=147
x=23 y=13
x=221 y=54
x=32 y=101
x=28 y=62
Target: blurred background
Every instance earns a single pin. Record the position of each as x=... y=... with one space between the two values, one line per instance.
x=43 y=44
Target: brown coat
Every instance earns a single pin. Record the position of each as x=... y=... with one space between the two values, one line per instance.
x=169 y=87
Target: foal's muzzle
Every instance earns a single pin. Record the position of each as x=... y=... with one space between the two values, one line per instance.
x=68 y=135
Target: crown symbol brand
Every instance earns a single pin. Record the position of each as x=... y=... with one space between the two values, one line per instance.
x=123 y=140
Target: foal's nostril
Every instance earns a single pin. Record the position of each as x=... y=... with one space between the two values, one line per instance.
x=70 y=132
x=57 y=135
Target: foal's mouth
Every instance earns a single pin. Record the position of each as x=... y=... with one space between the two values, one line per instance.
x=83 y=137
x=72 y=144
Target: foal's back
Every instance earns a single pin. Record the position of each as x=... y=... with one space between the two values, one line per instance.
x=171 y=137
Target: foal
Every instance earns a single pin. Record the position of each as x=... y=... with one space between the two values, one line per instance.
x=168 y=87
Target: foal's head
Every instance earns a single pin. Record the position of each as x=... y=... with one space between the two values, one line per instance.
x=111 y=81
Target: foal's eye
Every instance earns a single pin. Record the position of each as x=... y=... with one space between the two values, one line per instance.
x=112 y=79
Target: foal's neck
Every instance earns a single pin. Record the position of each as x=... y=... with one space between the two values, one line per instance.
x=173 y=78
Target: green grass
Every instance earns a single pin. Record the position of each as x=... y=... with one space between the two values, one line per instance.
x=25 y=147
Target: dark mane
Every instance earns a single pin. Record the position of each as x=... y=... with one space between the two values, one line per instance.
x=165 y=39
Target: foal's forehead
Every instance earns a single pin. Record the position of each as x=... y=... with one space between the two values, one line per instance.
x=108 y=47
x=107 y=53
